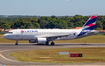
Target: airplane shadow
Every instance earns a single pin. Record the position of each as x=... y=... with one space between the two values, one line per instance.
x=23 y=45
x=49 y=44
x=71 y=44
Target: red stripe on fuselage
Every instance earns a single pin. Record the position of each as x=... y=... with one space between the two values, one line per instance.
x=91 y=25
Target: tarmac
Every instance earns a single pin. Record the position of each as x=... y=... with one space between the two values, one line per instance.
x=6 y=60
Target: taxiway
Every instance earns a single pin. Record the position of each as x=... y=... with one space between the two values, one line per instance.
x=5 y=49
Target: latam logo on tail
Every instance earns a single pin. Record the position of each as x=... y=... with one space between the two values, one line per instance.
x=90 y=24
x=92 y=19
x=27 y=31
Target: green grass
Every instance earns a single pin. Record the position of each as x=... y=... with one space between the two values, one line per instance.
x=89 y=39
x=90 y=55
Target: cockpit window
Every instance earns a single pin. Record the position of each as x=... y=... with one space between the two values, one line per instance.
x=10 y=33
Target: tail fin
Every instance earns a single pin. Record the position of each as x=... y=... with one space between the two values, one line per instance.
x=90 y=24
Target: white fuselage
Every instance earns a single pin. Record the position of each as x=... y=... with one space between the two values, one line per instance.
x=47 y=35
x=31 y=34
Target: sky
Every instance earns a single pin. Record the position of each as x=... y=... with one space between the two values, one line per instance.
x=52 y=7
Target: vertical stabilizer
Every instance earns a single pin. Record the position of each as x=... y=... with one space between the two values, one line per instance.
x=90 y=24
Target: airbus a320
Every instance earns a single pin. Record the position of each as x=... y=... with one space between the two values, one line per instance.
x=46 y=35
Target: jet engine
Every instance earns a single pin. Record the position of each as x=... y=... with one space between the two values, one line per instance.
x=38 y=40
x=41 y=40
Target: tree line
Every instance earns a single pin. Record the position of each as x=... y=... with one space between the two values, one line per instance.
x=49 y=22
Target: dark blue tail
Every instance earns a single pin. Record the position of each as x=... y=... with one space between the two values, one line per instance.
x=90 y=24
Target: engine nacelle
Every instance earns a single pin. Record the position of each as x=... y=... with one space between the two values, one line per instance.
x=38 y=40
x=41 y=40
x=32 y=41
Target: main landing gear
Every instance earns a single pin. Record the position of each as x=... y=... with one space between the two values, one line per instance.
x=52 y=43
x=16 y=42
x=47 y=43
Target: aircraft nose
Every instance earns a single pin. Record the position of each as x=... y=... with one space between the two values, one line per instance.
x=5 y=36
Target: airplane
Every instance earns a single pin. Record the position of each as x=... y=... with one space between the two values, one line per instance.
x=46 y=35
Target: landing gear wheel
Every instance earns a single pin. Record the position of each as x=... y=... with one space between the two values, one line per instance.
x=16 y=42
x=47 y=43
x=52 y=43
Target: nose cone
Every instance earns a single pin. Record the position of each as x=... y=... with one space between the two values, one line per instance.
x=5 y=36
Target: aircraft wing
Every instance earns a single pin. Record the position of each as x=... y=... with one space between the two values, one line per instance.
x=53 y=37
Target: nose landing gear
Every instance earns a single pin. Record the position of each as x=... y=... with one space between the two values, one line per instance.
x=16 y=42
